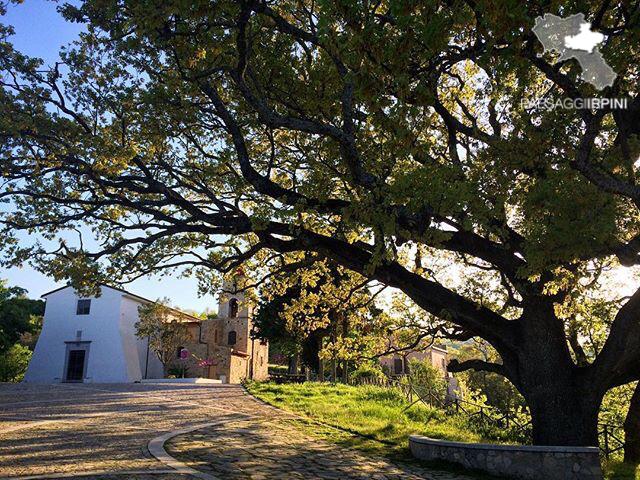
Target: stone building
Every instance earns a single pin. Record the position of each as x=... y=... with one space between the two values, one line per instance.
x=398 y=364
x=222 y=347
x=93 y=339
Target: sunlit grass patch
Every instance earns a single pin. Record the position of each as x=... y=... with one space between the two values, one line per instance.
x=378 y=416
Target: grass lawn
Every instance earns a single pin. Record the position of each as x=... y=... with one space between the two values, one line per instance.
x=616 y=470
x=374 y=419
x=376 y=413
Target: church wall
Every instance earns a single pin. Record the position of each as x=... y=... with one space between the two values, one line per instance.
x=240 y=326
x=130 y=345
x=197 y=351
x=238 y=369
x=260 y=361
x=105 y=357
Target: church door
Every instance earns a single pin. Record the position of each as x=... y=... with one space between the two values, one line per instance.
x=75 y=366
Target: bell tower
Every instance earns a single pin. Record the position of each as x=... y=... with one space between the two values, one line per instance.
x=238 y=356
x=232 y=302
x=234 y=314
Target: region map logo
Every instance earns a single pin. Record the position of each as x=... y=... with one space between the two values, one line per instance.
x=572 y=37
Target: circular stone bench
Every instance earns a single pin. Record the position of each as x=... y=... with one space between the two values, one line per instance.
x=515 y=461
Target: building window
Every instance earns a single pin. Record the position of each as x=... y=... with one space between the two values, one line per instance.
x=233 y=308
x=232 y=337
x=83 y=307
x=397 y=366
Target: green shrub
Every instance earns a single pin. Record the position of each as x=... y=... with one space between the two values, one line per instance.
x=367 y=370
x=278 y=369
x=427 y=379
x=617 y=470
x=13 y=364
x=178 y=372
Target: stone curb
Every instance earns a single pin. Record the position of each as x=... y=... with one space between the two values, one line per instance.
x=156 y=448
x=528 y=462
x=509 y=448
x=91 y=474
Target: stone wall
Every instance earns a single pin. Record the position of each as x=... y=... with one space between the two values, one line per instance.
x=514 y=461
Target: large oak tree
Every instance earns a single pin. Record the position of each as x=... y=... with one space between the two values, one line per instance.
x=380 y=135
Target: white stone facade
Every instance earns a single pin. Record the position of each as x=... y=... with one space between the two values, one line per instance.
x=93 y=340
x=106 y=335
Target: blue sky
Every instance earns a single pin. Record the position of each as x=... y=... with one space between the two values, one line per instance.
x=40 y=32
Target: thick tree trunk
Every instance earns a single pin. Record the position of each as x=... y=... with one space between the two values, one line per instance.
x=563 y=399
x=563 y=402
x=567 y=417
x=632 y=430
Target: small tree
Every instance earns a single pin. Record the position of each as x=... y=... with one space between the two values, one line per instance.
x=164 y=332
x=19 y=316
x=269 y=325
x=13 y=363
x=319 y=309
x=426 y=379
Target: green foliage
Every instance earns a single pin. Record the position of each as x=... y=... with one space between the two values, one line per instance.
x=513 y=426
x=20 y=325
x=426 y=379
x=14 y=362
x=268 y=324
x=616 y=404
x=178 y=372
x=277 y=368
x=19 y=315
x=613 y=412
x=367 y=370
x=166 y=334
x=319 y=310
x=489 y=387
x=617 y=470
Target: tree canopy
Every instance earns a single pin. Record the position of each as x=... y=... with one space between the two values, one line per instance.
x=387 y=136
x=19 y=315
x=321 y=310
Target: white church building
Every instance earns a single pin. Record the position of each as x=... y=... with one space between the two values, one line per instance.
x=93 y=339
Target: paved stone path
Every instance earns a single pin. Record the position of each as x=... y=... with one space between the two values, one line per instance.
x=267 y=448
x=102 y=431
